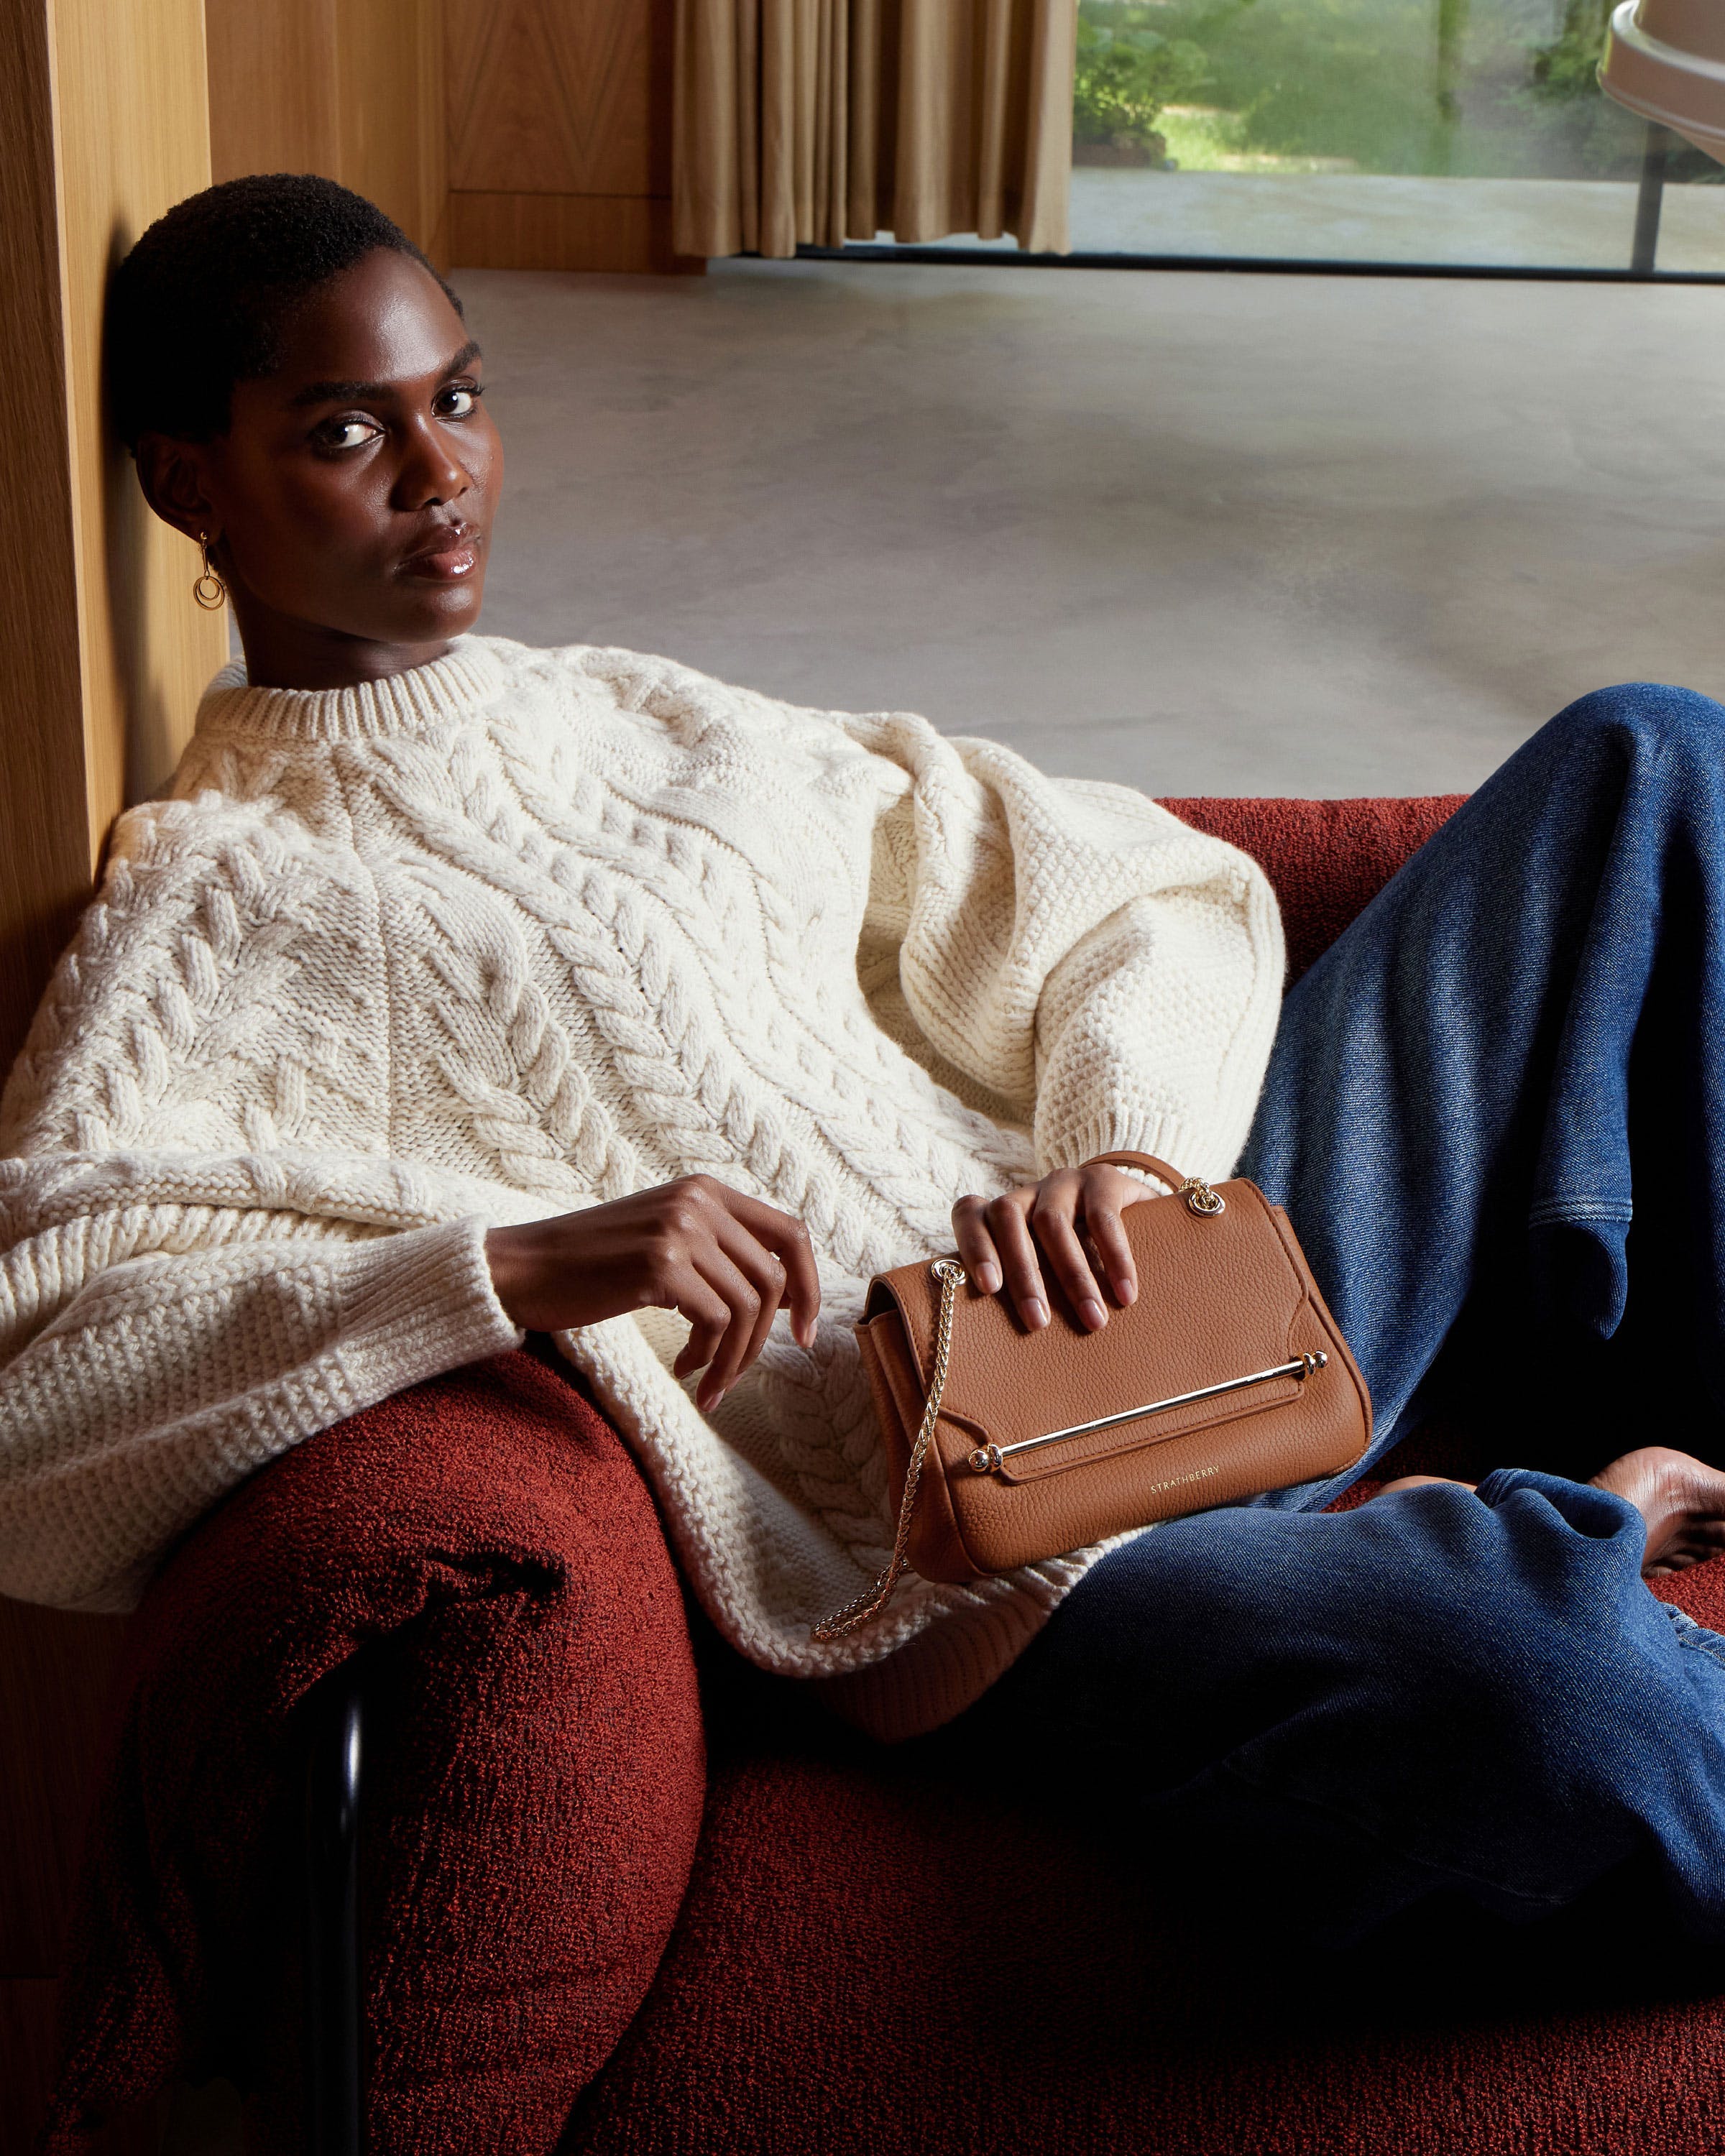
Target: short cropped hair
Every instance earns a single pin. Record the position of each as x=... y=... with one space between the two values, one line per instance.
x=201 y=302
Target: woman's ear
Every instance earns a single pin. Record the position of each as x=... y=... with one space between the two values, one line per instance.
x=176 y=485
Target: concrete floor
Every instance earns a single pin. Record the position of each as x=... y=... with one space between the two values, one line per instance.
x=1202 y=533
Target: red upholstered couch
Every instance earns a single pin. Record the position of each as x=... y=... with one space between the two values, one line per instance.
x=586 y=1932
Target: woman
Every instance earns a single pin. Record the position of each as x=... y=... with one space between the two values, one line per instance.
x=459 y=989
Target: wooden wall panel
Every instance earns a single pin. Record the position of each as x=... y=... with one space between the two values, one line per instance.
x=623 y=233
x=102 y=126
x=393 y=136
x=44 y=831
x=452 y=114
x=272 y=102
x=351 y=89
x=550 y=98
x=132 y=134
x=57 y=1669
x=559 y=130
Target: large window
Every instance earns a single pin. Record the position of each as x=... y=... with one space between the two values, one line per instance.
x=1397 y=131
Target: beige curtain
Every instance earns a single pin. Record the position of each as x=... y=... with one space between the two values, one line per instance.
x=813 y=121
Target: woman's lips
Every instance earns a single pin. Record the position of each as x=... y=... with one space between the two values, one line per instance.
x=448 y=563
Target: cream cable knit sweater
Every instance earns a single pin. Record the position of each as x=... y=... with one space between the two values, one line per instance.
x=519 y=931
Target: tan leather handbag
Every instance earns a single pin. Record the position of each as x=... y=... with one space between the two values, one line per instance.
x=1226 y=1377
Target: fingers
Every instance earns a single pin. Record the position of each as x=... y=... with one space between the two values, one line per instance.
x=977 y=1252
x=743 y=1261
x=725 y=1343
x=1069 y=1224
x=1107 y=1234
x=1011 y=1234
x=754 y=1260
x=767 y=1276
x=1053 y=1221
x=709 y=1316
x=788 y=1240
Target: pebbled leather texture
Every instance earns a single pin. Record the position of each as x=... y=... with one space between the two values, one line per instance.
x=1220 y=1297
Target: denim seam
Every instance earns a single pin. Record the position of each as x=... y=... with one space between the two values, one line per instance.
x=1550 y=1211
x=1547 y=1902
x=1696 y=1637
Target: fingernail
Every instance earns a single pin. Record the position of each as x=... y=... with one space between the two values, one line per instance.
x=1126 y=1292
x=1035 y=1314
x=987 y=1277
x=1093 y=1314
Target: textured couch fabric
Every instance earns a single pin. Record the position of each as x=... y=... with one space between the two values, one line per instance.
x=871 y=1955
x=535 y=1784
x=876 y=1954
x=1328 y=859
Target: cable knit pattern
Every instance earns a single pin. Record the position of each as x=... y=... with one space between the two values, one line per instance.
x=516 y=932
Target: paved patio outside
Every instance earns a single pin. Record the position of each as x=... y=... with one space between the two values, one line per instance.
x=1365 y=216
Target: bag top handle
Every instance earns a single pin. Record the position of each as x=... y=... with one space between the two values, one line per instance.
x=1147 y=1161
x=1196 y=1192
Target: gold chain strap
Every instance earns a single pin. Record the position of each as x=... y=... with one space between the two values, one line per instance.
x=872 y=1600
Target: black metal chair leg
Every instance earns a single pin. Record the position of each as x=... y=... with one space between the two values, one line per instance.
x=332 y=1996
x=1644 y=249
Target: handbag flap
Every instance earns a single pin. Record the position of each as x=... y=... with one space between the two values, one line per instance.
x=1221 y=1297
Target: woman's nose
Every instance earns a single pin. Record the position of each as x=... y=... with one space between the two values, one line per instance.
x=428 y=474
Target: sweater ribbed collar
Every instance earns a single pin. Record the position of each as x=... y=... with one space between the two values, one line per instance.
x=450 y=687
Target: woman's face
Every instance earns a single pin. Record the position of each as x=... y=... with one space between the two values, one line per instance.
x=350 y=502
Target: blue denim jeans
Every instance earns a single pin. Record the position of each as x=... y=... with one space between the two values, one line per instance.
x=1516 y=1056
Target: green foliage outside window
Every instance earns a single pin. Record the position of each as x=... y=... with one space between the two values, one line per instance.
x=1127 y=71
x=1461 y=87
x=1569 y=65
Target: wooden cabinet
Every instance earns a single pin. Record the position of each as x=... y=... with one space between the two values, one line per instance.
x=499 y=134
x=351 y=89
x=559 y=133
x=555 y=96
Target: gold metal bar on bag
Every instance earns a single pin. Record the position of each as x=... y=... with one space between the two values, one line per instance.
x=986 y=1459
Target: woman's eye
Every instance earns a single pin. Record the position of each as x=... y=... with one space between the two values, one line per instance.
x=348 y=433
x=459 y=401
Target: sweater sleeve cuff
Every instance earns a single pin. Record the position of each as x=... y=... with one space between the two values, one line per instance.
x=422 y=1303
x=1164 y=1137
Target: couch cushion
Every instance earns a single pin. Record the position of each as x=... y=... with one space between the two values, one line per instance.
x=874 y=1956
x=535 y=1792
x=1328 y=859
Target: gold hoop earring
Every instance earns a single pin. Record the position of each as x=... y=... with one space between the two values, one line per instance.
x=209 y=591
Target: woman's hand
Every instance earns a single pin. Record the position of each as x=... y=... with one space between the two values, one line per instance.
x=726 y=1261
x=1071 y=1219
